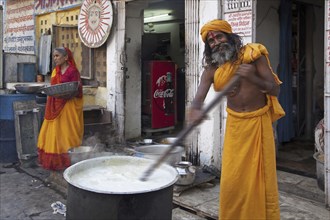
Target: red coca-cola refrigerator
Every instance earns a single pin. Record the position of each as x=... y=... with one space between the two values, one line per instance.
x=159 y=95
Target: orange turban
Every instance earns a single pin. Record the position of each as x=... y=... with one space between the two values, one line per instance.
x=215 y=25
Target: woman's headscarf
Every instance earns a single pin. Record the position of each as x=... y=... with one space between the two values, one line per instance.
x=215 y=25
x=66 y=51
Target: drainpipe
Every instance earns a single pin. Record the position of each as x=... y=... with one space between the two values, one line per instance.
x=121 y=80
x=1 y=47
x=327 y=106
x=327 y=141
x=192 y=70
x=309 y=73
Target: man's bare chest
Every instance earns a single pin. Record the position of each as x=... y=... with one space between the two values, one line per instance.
x=245 y=97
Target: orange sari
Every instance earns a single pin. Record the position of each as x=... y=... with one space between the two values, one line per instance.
x=63 y=125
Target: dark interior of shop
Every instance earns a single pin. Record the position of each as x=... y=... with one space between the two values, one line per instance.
x=297 y=154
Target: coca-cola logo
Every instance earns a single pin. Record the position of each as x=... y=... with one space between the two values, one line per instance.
x=168 y=93
x=161 y=81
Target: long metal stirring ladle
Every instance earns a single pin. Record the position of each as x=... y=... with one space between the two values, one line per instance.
x=190 y=127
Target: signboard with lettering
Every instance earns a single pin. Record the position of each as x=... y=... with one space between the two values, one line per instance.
x=241 y=22
x=238 y=5
x=239 y=15
x=19 y=34
x=327 y=10
x=46 y=6
x=95 y=20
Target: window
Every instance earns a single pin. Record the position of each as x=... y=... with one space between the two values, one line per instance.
x=91 y=63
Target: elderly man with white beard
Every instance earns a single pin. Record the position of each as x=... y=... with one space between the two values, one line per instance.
x=248 y=185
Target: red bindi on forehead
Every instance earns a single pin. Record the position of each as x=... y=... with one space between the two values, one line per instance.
x=211 y=34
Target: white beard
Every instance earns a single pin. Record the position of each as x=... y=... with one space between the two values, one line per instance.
x=222 y=53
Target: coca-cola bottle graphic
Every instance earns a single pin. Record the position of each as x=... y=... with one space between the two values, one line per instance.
x=169 y=95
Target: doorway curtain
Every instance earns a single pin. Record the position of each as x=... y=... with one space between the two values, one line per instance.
x=285 y=128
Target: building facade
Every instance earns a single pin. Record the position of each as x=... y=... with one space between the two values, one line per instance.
x=112 y=72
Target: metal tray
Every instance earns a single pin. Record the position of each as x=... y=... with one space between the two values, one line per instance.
x=62 y=89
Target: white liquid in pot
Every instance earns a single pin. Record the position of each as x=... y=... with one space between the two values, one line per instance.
x=123 y=178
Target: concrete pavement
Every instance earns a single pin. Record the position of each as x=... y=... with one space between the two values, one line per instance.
x=28 y=192
x=24 y=196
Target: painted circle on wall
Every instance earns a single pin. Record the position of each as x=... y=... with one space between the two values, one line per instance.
x=95 y=21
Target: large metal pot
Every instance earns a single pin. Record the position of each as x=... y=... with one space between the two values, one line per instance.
x=98 y=189
x=157 y=150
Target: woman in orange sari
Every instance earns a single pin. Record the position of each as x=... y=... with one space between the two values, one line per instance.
x=63 y=126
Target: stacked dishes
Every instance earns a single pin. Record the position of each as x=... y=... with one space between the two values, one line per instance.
x=28 y=88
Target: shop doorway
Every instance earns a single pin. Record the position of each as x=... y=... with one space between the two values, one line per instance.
x=163 y=45
x=302 y=92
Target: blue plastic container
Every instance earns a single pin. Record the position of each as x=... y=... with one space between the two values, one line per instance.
x=6 y=104
x=8 y=153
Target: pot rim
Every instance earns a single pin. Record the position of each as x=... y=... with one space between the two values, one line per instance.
x=183 y=164
x=175 y=150
x=99 y=160
x=81 y=149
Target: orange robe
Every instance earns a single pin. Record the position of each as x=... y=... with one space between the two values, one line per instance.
x=248 y=185
x=63 y=125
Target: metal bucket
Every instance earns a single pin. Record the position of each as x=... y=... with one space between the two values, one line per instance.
x=157 y=150
x=80 y=153
x=168 y=140
x=94 y=201
x=319 y=157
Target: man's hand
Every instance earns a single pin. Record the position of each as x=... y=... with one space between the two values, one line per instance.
x=247 y=71
x=259 y=74
x=194 y=116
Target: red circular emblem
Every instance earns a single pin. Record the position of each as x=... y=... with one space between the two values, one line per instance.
x=95 y=20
